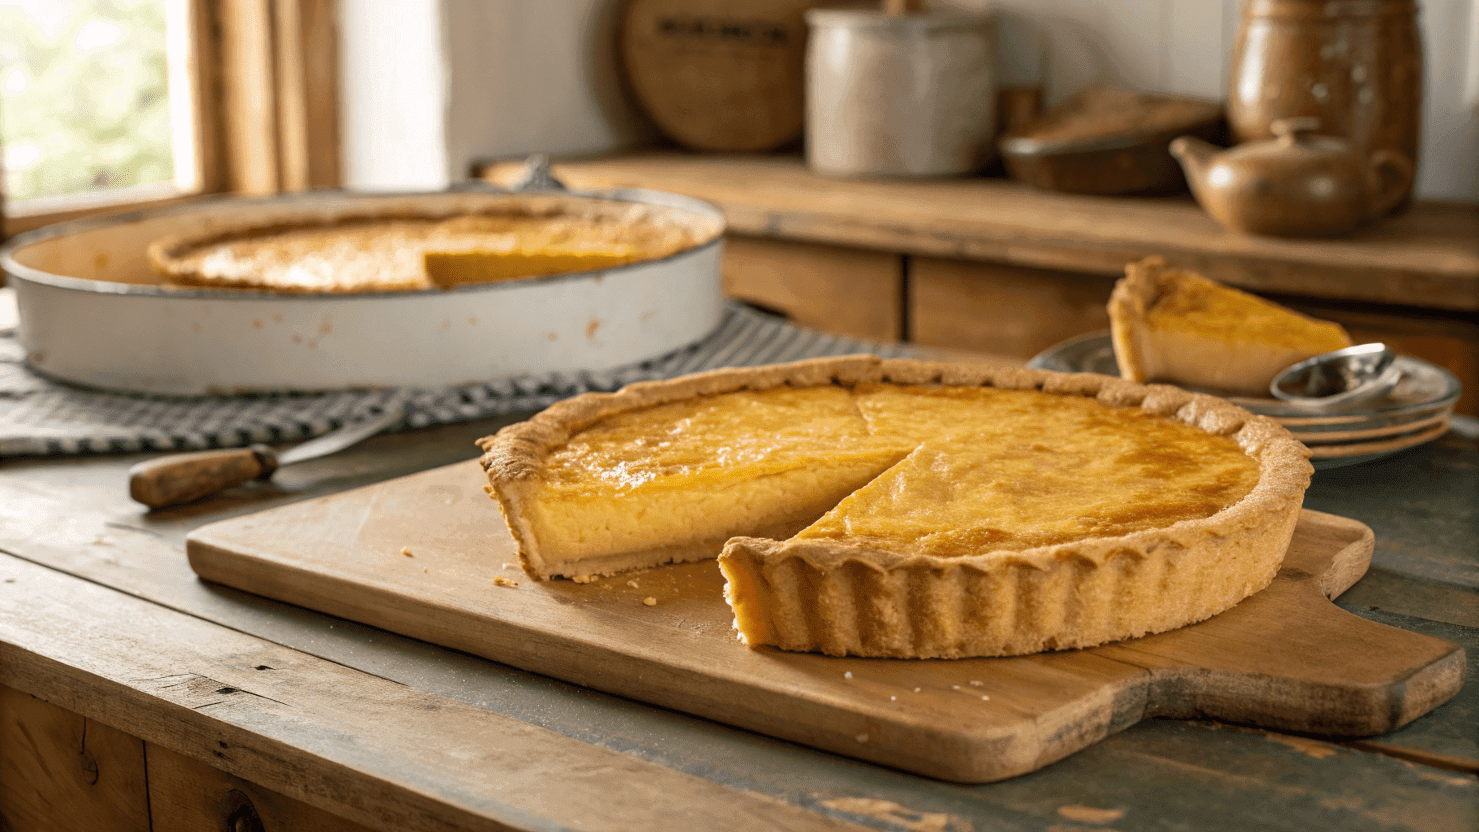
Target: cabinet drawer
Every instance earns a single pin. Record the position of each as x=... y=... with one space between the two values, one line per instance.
x=845 y=291
x=60 y=771
x=186 y=795
x=1014 y=311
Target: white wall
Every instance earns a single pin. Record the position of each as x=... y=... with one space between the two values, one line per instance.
x=1449 y=167
x=393 y=95
x=520 y=76
x=535 y=76
x=430 y=86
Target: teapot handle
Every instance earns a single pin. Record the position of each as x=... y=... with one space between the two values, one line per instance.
x=1391 y=175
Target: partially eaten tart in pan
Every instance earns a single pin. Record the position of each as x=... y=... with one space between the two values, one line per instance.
x=383 y=252
x=1177 y=326
x=901 y=508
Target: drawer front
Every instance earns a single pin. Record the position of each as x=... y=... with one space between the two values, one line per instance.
x=844 y=291
x=1012 y=311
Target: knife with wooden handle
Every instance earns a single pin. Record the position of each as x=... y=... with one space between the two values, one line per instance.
x=184 y=478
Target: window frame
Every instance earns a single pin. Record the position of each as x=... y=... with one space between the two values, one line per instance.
x=264 y=89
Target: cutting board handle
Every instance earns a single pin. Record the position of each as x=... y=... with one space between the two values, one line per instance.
x=183 y=478
x=1289 y=660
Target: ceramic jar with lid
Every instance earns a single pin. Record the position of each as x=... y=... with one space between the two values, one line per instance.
x=908 y=94
x=1356 y=65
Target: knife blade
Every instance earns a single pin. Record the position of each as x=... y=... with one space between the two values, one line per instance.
x=184 y=478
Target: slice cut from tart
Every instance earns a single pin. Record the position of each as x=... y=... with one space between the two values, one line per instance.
x=912 y=509
x=456 y=268
x=1174 y=325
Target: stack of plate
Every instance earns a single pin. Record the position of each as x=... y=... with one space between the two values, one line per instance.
x=1415 y=411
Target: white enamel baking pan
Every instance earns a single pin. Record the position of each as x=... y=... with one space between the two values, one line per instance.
x=93 y=312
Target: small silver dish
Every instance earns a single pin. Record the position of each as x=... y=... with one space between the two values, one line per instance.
x=1340 y=379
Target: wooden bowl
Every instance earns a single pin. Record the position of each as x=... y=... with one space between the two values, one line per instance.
x=1106 y=140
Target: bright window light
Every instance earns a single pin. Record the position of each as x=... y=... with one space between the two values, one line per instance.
x=94 y=97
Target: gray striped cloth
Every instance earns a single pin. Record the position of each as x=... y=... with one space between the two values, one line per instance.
x=39 y=417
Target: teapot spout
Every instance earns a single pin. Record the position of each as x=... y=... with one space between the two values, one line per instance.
x=1194 y=155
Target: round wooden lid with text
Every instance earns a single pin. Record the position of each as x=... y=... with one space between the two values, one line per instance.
x=718 y=75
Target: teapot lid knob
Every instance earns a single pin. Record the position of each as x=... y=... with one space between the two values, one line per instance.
x=1291 y=128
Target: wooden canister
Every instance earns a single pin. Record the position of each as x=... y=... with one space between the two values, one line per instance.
x=716 y=75
x=1356 y=65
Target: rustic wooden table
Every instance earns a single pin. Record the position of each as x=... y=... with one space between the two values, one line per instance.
x=135 y=696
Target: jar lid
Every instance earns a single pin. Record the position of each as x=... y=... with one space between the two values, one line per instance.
x=870 y=18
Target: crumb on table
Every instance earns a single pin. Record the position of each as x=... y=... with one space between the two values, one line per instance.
x=650 y=601
x=502 y=581
x=406 y=550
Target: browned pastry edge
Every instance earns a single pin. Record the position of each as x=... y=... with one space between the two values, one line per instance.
x=1132 y=297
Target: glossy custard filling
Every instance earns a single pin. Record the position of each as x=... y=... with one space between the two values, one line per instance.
x=692 y=474
x=713 y=439
x=1206 y=308
x=1017 y=469
x=945 y=471
x=417 y=253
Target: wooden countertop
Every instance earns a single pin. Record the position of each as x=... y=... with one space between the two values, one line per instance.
x=1427 y=257
x=100 y=614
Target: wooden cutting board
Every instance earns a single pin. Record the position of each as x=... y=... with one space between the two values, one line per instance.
x=419 y=556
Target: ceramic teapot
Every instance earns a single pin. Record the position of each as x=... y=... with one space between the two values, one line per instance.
x=1295 y=185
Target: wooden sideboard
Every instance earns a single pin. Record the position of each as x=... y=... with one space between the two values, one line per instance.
x=992 y=266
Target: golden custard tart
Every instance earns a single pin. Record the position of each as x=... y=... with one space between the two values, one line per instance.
x=381 y=253
x=869 y=507
x=1176 y=326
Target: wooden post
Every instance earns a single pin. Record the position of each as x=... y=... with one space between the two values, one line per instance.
x=279 y=92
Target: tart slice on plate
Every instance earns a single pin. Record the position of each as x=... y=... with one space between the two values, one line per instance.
x=912 y=509
x=1176 y=326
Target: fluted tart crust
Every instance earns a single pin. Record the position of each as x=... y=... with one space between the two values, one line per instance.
x=905 y=508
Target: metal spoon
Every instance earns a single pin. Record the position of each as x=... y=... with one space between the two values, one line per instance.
x=1339 y=379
